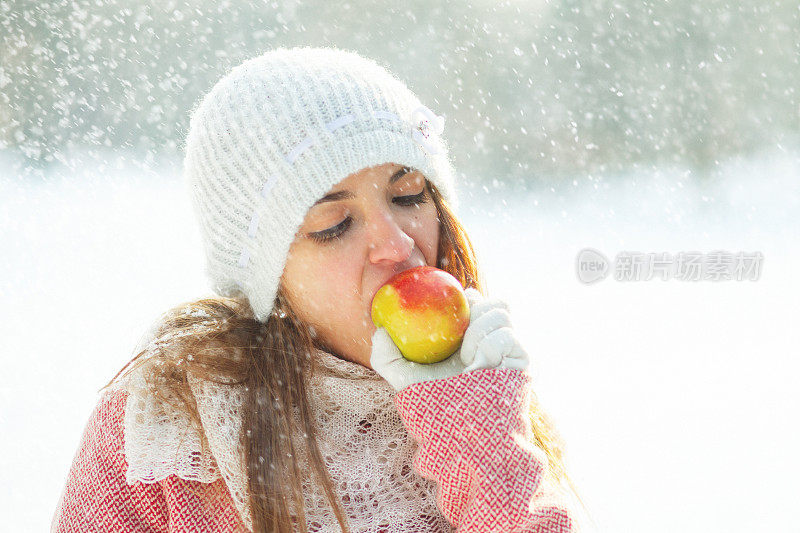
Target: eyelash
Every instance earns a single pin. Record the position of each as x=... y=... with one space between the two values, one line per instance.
x=337 y=231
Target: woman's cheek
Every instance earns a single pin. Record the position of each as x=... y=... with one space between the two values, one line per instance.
x=345 y=270
x=427 y=236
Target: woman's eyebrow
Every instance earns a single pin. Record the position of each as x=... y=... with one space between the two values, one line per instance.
x=341 y=195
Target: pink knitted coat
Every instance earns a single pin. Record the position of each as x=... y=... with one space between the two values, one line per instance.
x=468 y=427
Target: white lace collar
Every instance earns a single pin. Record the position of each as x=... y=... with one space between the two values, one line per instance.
x=160 y=441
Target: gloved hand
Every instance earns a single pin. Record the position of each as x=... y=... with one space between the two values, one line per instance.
x=489 y=342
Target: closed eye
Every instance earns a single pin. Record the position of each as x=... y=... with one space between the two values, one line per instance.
x=332 y=233
x=339 y=229
x=412 y=199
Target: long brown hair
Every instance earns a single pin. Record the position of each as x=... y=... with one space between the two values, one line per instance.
x=273 y=360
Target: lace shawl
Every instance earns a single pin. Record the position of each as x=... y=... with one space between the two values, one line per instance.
x=366 y=448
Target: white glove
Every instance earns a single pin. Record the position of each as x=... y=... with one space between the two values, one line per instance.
x=488 y=342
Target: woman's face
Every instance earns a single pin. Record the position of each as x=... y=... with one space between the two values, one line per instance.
x=370 y=226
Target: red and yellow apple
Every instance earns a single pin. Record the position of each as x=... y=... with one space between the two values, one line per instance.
x=425 y=311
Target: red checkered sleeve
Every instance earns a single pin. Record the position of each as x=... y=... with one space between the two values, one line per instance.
x=97 y=498
x=469 y=428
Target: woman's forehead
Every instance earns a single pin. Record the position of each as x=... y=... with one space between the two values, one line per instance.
x=343 y=190
x=390 y=171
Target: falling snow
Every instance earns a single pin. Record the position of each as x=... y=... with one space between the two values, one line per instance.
x=621 y=125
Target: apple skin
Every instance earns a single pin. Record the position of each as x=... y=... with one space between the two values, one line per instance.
x=425 y=311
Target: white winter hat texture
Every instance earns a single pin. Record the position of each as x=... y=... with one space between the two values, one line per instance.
x=275 y=134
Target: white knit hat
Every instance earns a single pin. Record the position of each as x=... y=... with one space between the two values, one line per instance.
x=275 y=134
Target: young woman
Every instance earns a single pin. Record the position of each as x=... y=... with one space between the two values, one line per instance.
x=316 y=175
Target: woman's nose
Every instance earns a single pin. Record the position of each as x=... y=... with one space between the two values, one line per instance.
x=388 y=239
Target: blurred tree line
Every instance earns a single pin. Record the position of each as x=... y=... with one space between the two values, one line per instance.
x=531 y=90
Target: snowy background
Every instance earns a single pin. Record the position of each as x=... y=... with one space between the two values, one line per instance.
x=620 y=126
